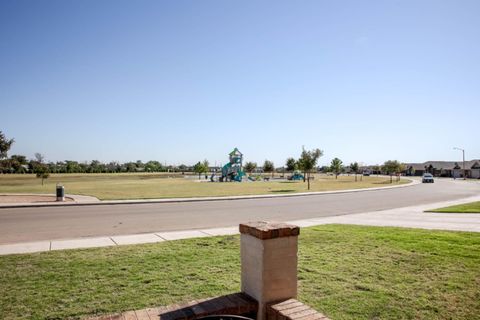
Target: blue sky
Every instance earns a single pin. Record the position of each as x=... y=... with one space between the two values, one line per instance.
x=181 y=81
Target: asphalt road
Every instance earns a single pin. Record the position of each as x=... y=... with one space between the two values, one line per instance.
x=50 y=223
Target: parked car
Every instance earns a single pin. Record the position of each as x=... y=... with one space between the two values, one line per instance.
x=427 y=178
x=366 y=173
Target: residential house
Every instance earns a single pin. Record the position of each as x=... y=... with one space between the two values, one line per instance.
x=452 y=169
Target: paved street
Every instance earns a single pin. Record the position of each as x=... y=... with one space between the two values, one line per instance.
x=49 y=223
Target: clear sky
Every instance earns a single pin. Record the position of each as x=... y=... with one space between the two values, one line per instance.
x=181 y=81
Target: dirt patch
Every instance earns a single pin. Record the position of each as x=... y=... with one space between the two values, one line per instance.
x=28 y=199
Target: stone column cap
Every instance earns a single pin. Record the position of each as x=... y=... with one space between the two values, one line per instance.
x=269 y=229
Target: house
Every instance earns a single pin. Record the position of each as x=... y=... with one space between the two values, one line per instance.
x=475 y=170
x=452 y=169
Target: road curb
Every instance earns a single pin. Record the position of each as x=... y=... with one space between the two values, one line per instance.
x=203 y=199
x=403 y=217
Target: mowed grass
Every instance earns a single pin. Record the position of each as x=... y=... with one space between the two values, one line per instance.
x=346 y=272
x=472 y=207
x=152 y=185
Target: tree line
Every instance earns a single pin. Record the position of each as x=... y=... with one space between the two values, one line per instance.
x=20 y=164
x=306 y=163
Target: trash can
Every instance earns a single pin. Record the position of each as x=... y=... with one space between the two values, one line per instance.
x=60 y=193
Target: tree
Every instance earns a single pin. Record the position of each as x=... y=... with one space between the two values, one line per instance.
x=17 y=162
x=354 y=167
x=392 y=166
x=325 y=169
x=250 y=167
x=5 y=145
x=268 y=166
x=206 y=167
x=39 y=157
x=336 y=166
x=400 y=169
x=308 y=162
x=200 y=167
x=153 y=166
x=72 y=166
x=95 y=167
x=291 y=164
x=83 y=167
x=42 y=171
x=113 y=166
x=19 y=158
x=7 y=166
x=131 y=167
x=182 y=168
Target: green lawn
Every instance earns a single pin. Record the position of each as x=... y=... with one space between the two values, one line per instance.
x=158 y=185
x=347 y=272
x=472 y=207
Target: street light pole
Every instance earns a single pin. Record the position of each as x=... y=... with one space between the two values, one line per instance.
x=463 y=155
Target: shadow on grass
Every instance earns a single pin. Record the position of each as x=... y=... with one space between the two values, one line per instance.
x=282 y=190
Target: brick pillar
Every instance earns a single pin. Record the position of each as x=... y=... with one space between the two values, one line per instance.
x=269 y=262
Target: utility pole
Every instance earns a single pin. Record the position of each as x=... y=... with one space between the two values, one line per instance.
x=463 y=155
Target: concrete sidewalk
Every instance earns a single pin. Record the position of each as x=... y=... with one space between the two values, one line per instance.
x=75 y=199
x=410 y=217
x=80 y=200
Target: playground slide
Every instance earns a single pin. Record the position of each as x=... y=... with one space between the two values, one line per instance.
x=226 y=168
x=239 y=176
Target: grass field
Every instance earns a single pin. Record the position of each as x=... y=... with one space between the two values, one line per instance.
x=473 y=207
x=347 y=272
x=151 y=185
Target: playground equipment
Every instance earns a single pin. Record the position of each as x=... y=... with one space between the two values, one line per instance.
x=296 y=176
x=232 y=171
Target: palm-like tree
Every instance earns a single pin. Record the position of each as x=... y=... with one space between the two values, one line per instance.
x=354 y=168
x=336 y=166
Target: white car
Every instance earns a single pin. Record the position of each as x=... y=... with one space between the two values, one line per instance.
x=427 y=178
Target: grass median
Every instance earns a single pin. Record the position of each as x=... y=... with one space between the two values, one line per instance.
x=153 y=185
x=347 y=272
x=472 y=207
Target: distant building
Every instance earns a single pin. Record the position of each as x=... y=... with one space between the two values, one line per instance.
x=444 y=169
